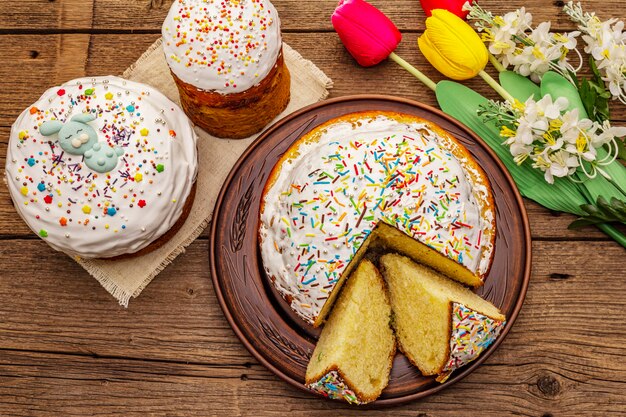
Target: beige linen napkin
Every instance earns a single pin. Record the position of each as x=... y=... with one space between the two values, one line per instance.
x=127 y=278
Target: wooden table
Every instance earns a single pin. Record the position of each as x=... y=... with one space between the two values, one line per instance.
x=68 y=349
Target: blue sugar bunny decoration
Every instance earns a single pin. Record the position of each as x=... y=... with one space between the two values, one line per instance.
x=76 y=137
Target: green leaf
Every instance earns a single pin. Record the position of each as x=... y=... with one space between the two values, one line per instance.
x=602 y=212
x=463 y=104
x=621 y=145
x=617 y=172
x=595 y=96
x=597 y=187
x=519 y=86
x=558 y=86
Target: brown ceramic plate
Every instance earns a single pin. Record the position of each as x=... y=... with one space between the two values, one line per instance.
x=264 y=322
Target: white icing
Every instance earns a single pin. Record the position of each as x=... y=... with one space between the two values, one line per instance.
x=405 y=178
x=227 y=46
x=155 y=131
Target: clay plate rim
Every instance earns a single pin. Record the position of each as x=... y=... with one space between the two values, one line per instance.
x=356 y=98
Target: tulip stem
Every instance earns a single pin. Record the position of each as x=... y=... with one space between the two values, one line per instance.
x=613 y=232
x=494 y=84
x=496 y=64
x=414 y=71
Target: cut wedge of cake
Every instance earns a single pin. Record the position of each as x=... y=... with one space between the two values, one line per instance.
x=440 y=325
x=354 y=354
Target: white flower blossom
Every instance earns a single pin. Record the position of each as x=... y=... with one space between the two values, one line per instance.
x=606 y=42
x=530 y=51
x=555 y=140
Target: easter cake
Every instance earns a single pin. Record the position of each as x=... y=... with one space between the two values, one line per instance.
x=226 y=58
x=372 y=179
x=440 y=325
x=102 y=167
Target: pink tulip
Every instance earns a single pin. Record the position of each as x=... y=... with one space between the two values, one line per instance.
x=453 y=6
x=366 y=32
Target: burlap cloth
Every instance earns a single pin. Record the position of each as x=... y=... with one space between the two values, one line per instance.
x=127 y=278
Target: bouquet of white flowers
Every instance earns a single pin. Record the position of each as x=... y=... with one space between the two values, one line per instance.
x=553 y=131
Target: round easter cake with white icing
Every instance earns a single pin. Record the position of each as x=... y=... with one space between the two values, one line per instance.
x=101 y=167
x=372 y=178
x=226 y=46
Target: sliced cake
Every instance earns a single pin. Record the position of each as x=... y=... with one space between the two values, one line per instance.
x=370 y=178
x=440 y=325
x=355 y=351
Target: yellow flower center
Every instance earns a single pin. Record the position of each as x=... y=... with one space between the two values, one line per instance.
x=541 y=162
x=518 y=105
x=498 y=20
x=502 y=45
x=549 y=137
x=555 y=124
x=559 y=37
x=487 y=36
x=581 y=143
x=538 y=54
x=519 y=159
x=506 y=132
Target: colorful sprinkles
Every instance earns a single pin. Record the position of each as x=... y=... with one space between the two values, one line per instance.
x=332 y=386
x=472 y=333
x=223 y=45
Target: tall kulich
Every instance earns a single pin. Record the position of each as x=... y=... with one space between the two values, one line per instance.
x=227 y=60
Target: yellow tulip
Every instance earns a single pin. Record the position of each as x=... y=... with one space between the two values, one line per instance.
x=452 y=46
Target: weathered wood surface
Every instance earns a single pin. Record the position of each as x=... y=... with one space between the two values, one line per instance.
x=296 y=15
x=66 y=347
x=36 y=62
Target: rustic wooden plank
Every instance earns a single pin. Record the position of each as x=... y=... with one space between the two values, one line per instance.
x=562 y=357
x=121 y=15
x=78 y=386
x=46 y=61
x=41 y=15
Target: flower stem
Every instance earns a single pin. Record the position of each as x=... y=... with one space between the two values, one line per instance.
x=496 y=64
x=414 y=71
x=612 y=232
x=494 y=84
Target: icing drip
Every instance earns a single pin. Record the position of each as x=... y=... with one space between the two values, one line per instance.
x=225 y=46
x=333 y=386
x=326 y=201
x=149 y=149
x=472 y=333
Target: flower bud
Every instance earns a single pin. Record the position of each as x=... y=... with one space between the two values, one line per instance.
x=365 y=31
x=452 y=46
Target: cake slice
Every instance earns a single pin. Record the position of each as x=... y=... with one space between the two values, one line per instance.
x=354 y=354
x=440 y=325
